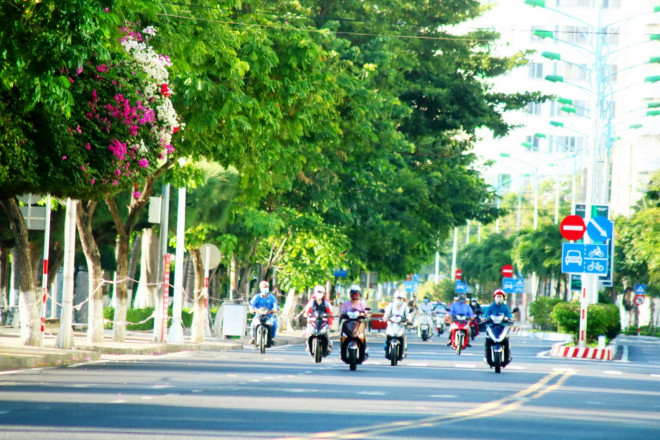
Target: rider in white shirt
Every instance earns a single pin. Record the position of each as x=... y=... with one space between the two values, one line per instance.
x=400 y=308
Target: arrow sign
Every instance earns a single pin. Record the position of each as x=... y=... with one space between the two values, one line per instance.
x=572 y=227
x=600 y=229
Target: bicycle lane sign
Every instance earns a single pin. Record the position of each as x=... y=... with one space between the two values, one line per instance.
x=595 y=259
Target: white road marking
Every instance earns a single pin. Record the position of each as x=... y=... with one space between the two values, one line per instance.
x=419 y=365
x=465 y=366
x=443 y=396
x=371 y=393
x=147 y=397
x=160 y=387
x=612 y=372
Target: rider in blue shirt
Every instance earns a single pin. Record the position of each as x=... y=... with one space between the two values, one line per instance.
x=264 y=299
x=457 y=308
x=498 y=308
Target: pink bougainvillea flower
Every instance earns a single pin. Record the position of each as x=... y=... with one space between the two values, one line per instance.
x=88 y=146
x=93 y=181
x=102 y=68
x=118 y=149
x=165 y=90
x=63 y=157
x=136 y=194
x=115 y=183
x=143 y=163
x=175 y=129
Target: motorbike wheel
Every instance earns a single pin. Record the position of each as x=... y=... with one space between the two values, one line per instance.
x=262 y=340
x=497 y=361
x=352 y=359
x=318 y=351
x=459 y=342
x=425 y=335
x=394 y=354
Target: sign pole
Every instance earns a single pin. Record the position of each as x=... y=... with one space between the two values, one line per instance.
x=584 y=302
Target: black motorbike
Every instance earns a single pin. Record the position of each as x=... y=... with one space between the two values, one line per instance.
x=318 y=340
x=262 y=332
x=354 y=349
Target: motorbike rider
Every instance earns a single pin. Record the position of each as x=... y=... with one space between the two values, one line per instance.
x=319 y=303
x=425 y=307
x=460 y=307
x=476 y=308
x=264 y=299
x=355 y=305
x=398 y=307
x=498 y=308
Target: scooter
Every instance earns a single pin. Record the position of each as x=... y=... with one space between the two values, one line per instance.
x=439 y=321
x=263 y=331
x=395 y=343
x=497 y=334
x=354 y=349
x=474 y=326
x=460 y=333
x=318 y=341
x=424 y=326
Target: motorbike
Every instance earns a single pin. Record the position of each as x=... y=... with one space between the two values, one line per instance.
x=318 y=340
x=459 y=330
x=424 y=326
x=395 y=349
x=353 y=349
x=263 y=331
x=439 y=321
x=496 y=335
x=474 y=326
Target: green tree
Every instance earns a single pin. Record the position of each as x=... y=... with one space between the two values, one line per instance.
x=539 y=251
x=482 y=262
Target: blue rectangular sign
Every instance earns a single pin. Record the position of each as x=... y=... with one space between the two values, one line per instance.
x=507 y=285
x=518 y=285
x=461 y=287
x=596 y=259
x=572 y=257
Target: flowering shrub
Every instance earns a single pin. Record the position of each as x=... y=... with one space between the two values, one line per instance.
x=124 y=118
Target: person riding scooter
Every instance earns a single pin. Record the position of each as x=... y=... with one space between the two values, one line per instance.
x=318 y=303
x=457 y=308
x=497 y=308
x=353 y=329
x=424 y=316
x=268 y=301
x=398 y=307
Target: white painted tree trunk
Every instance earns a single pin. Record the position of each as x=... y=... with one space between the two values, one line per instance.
x=65 y=336
x=147 y=288
x=288 y=311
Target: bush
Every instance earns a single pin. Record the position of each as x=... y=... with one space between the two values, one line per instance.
x=602 y=319
x=541 y=312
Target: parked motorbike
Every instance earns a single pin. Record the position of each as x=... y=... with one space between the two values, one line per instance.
x=395 y=344
x=263 y=331
x=460 y=333
x=353 y=350
x=318 y=340
x=424 y=326
x=497 y=335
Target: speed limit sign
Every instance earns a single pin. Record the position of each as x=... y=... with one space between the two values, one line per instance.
x=639 y=299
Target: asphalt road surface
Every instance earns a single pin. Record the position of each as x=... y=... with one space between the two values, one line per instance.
x=283 y=394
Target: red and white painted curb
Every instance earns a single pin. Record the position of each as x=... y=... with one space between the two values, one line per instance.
x=603 y=354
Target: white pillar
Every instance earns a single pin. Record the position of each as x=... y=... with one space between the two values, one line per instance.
x=65 y=336
x=175 y=334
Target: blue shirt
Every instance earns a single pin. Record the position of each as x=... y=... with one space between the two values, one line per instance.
x=460 y=308
x=269 y=302
x=495 y=309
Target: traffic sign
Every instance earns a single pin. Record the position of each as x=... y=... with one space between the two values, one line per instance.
x=411 y=286
x=341 y=273
x=572 y=227
x=595 y=259
x=211 y=256
x=459 y=274
x=572 y=257
x=596 y=210
x=640 y=289
x=507 y=271
x=639 y=299
x=600 y=229
x=518 y=285
x=507 y=285
x=460 y=287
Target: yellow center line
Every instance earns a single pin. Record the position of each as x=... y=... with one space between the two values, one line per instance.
x=487 y=409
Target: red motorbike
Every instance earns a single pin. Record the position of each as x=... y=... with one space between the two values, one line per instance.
x=460 y=333
x=474 y=326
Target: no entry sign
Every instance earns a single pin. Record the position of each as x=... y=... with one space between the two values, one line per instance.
x=507 y=271
x=572 y=227
x=459 y=274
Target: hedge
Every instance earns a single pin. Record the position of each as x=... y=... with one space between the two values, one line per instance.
x=541 y=312
x=602 y=319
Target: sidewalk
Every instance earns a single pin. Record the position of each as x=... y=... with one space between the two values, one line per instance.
x=14 y=355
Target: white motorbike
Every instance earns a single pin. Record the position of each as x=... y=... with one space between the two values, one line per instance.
x=424 y=326
x=395 y=344
x=439 y=320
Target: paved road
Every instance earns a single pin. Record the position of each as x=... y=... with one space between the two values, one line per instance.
x=283 y=395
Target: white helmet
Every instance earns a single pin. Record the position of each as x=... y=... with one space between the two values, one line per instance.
x=399 y=294
x=319 y=291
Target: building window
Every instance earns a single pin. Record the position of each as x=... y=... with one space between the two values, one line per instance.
x=581 y=107
x=504 y=181
x=535 y=70
x=534 y=142
x=611 y=4
x=534 y=108
x=574 y=34
x=574 y=2
x=565 y=144
x=576 y=72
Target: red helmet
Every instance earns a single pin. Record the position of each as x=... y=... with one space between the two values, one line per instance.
x=499 y=292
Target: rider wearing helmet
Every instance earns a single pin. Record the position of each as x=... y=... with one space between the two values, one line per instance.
x=498 y=308
x=264 y=299
x=460 y=308
x=398 y=307
x=355 y=304
x=318 y=302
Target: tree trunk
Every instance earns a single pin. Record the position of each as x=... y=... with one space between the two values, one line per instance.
x=84 y=216
x=28 y=304
x=289 y=310
x=200 y=315
x=145 y=296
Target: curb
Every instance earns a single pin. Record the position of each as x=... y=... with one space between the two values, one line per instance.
x=602 y=354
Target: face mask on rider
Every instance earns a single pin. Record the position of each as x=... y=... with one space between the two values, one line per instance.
x=399 y=301
x=499 y=300
x=264 y=292
x=426 y=301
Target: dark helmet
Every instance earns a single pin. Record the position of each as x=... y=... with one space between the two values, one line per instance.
x=355 y=291
x=462 y=297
